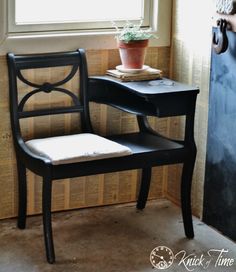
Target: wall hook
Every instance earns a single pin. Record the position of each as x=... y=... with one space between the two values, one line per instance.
x=220 y=40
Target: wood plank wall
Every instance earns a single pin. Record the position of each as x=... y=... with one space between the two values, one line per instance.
x=86 y=191
x=190 y=63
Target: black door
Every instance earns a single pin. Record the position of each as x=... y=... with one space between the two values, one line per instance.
x=220 y=179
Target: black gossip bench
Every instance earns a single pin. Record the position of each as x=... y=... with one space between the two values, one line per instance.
x=86 y=153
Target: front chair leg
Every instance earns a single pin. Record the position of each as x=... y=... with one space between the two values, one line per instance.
x=22 y=195
x=186 y=185
x=144 y=188
x=47 y=221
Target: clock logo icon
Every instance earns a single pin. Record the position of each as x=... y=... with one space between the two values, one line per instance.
x=162 y=257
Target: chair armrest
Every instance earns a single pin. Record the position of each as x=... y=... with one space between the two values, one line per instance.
x=33 y=161
x=111 y=92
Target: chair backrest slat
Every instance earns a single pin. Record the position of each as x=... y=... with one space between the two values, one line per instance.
x=63 y=110
x=46 y=60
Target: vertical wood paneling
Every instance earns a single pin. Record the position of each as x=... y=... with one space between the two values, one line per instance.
x=190 y=58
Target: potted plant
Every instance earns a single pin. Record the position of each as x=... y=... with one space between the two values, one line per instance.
x=132 y=43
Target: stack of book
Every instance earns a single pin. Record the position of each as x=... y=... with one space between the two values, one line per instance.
x=147 y=74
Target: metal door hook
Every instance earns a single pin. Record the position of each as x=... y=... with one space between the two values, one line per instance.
x=220 y=40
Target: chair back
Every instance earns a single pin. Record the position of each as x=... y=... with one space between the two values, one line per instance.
x=79 y=102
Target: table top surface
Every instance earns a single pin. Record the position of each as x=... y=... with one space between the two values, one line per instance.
x=151 y=87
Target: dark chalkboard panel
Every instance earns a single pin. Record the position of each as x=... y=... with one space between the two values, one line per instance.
x=220 y=178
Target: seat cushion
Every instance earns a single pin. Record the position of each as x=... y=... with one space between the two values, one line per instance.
x=77 y=148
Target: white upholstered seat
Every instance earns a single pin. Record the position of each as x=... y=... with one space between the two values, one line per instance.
x=77 y=148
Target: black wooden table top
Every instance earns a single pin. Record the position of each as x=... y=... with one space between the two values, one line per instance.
x=162 y=97
x=151 y=87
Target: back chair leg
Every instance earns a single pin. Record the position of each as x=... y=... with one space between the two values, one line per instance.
x=186 y=185
x=22 y=195
x=144 y=188
x=47 y=221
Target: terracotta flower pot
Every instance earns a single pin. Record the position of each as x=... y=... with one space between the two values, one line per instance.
x=133 y=53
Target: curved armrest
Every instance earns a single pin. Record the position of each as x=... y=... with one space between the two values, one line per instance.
x=110 y=91
x=34 y=161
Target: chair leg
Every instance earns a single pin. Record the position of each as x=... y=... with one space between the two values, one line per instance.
x=22 y=195
x=186 y=185
x=144 y=188
x=47 y=221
